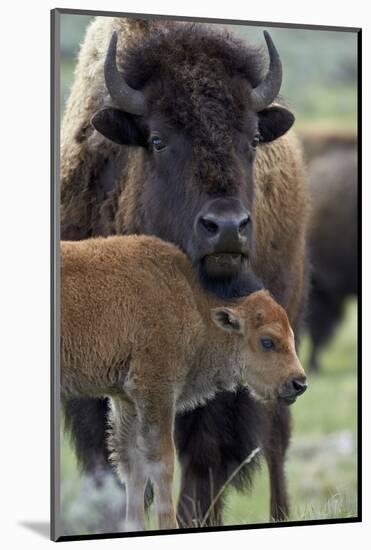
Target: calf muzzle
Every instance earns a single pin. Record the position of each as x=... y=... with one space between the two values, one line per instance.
x=293 y=389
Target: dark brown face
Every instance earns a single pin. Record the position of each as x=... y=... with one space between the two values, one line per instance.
x=198 y=131
x=198 y=193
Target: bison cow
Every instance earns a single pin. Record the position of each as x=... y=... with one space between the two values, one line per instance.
x=170 y=130
x=332 y=238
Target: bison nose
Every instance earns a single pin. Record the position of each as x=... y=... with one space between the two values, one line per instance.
x=224 y=226
x=222 y=237
x=225 y=229
x=292 y=390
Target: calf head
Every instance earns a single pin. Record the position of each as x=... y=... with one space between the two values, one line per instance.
x=270 y=366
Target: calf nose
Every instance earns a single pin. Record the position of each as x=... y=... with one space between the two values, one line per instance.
x=292 y=389
x=299 y=385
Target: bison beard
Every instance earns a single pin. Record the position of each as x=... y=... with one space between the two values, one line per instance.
x=214 y=440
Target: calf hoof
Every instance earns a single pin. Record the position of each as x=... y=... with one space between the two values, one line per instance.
x=133 y=525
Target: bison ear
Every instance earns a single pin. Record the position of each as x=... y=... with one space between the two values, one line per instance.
x=226 y=319
x=274 y=122
x=119 y=127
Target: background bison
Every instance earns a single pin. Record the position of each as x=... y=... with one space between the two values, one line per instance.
x=92 y=203
x=332 y=241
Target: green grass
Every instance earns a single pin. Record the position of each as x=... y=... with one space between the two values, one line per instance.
x=321 y=465
x=327 y=107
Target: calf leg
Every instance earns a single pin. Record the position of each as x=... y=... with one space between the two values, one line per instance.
x=155 y=441
x=135 y=486
x=127 y=459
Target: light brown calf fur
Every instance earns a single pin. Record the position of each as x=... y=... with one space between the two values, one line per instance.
x=137 y=327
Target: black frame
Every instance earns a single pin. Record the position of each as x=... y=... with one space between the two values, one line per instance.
x=55 y=276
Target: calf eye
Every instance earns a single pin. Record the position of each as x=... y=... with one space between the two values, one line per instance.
x=158 y=143
x=255 y=141
x=267 y=344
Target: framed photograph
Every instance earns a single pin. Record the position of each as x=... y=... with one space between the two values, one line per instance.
x=206 y=252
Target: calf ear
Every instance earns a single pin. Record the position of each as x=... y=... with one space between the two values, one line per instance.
x=119 y=127
x=274 y=122
x=227 y=320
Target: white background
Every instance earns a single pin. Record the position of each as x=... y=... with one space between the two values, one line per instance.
x=24 y=268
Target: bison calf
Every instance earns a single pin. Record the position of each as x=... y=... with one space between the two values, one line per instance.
x=137 y=327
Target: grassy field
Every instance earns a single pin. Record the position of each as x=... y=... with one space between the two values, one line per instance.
x=321 y=466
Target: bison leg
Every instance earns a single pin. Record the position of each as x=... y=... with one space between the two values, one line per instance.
x=324 y=312
x=313 y=360
x=212 y=442
x=199 y=487
x=275 y=444
x=85 y=419
x=279 y=502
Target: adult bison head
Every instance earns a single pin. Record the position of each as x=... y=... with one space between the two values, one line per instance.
x=196 y=103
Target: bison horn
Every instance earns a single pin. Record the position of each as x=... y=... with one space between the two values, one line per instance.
x=125 y=98
x=267 y=90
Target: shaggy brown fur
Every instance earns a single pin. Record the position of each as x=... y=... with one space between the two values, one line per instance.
x=136 y=326
x=105 y=186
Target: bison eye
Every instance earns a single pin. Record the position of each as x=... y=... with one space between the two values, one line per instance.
x=267 y=344
x=255 y=141
x=158 y=143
